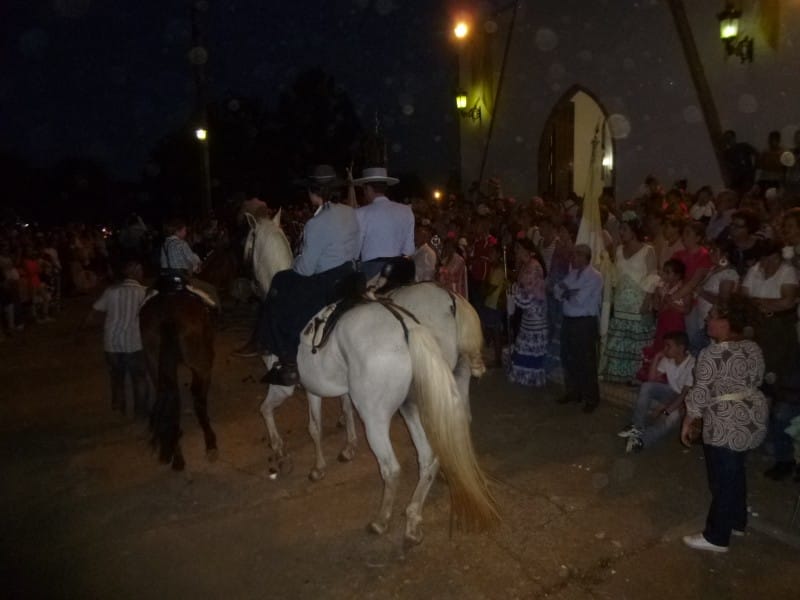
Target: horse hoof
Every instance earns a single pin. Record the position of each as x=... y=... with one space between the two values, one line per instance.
x=285 y=465
x=346 y=455
x=212 y=454
x=377 y=528
x=413 y=539
x=316 y=475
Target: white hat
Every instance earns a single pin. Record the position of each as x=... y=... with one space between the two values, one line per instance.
x=372 y=174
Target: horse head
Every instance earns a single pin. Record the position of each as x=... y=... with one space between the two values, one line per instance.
x=268 y=249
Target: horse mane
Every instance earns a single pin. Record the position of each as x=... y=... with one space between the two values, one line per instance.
x=271 y=252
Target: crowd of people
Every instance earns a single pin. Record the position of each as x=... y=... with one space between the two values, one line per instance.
x=703 y=316
x=695 y=301
x=40 y=265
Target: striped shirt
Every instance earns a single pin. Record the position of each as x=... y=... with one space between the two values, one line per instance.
x=121 y=303
x=177 y=254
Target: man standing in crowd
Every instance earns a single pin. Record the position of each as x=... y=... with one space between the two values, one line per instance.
x=581 y=293
x=387 y=228
x=425 y=256
x=327 y=258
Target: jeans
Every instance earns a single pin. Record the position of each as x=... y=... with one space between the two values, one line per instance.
x=728 y=485
x=779 y=418
x=696 y=331
x=653 y=392
x=121 y=364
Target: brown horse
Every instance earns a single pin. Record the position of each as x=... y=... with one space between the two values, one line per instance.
x=177 y=328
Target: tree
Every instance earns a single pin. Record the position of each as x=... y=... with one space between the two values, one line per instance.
x=255 y=150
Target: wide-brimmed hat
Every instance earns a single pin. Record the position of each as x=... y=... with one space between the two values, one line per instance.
x=375 y=174
x=320 y=175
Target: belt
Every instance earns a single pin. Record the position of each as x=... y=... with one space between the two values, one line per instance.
x=735 y=396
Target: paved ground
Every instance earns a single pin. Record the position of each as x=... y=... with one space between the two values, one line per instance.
x=89 y=513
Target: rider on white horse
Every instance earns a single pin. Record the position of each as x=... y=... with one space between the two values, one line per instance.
x=387 y=228
x=328 y=257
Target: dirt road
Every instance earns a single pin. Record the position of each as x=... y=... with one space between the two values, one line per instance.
x=89 y=513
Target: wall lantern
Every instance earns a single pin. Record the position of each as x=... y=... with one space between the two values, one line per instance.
x=461 y=104
x=729 y=34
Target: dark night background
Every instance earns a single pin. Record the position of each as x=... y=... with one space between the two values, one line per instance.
x=98 y=98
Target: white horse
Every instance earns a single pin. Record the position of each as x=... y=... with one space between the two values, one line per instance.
x=387 y=362
x=452 y=320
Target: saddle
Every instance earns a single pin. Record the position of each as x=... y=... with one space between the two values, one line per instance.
x=170 y=282
x=320 y=328
x=352 y=290
x=174 y=282
x=397 y=272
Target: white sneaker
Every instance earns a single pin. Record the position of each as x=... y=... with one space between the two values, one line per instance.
x=629 y=431
x=635 y=443
x=737 y=532
x=699 y=542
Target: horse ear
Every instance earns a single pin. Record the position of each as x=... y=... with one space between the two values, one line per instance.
x=277 y=218
x=251 y=220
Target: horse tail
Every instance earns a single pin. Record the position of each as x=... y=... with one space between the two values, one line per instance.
x=164 y=420
x=470 y=335
x=446 y=422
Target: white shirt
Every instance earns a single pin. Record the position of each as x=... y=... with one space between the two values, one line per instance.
x=712 y=284
x=768 y=288
x=581 y=292
x=699 y=212
x=679 y=376
x=121 y=303
x=386 y=229
x=425 y=263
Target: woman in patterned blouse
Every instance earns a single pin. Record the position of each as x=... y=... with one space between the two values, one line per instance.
x=734 y=412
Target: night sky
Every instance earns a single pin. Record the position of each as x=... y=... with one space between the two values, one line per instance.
x=107 y=78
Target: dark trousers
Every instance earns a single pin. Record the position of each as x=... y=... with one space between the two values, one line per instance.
x=728 y=485
x=292 y=300
x=579 y=336
x=780 y=416
x=121 y=364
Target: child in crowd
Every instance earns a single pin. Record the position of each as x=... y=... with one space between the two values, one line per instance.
x=670 y=312
x=703 y=207
x=661 y=397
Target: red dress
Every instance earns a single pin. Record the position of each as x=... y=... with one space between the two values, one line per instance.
x=670 y=318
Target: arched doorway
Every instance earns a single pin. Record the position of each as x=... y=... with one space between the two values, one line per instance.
x=576 y=151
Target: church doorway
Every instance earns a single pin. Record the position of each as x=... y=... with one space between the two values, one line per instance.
x=576 y=151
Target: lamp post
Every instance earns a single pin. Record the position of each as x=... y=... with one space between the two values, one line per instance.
x=460 y=32
x=198 y=57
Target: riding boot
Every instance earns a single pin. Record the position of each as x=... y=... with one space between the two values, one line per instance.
x=283 y=373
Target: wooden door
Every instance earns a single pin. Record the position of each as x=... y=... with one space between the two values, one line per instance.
x=556 y=152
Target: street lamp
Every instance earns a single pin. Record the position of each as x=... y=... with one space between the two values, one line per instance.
x=461 y=30
x=437 y=195
x=201 y=134
x=461 y=104
x=729 y=34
